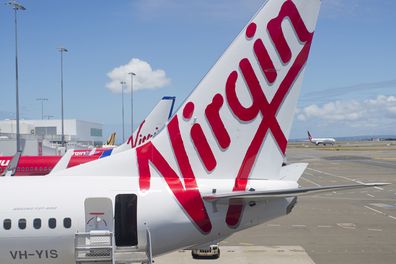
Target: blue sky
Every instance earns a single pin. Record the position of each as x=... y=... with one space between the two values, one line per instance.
x=349 y=86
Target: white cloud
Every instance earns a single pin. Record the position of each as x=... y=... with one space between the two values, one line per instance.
x=353 y=113
x=146 y=77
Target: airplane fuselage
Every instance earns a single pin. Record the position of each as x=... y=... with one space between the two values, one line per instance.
x=42 y=228
x=323 y=141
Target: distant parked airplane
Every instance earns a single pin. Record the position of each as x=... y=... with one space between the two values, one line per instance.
x=42 y=165
x=323 y=141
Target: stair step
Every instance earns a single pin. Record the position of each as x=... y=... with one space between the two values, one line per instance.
x=97 y=247
x=129 y=256
x=126 y=249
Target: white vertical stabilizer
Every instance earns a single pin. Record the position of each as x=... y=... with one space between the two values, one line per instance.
x=236 y=123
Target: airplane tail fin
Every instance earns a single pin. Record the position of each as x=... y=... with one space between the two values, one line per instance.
x=151 y=125
x=236 y=123
x=309 y=136
x=111 y=140
x=63 y=162
x=13 y=165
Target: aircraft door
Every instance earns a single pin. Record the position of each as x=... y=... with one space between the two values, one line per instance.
x=98 y=214
x=125 y=227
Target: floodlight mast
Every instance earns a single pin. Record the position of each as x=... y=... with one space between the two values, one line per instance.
x=62 y=50
x=16 y=6
x=122 y=114
x=132 y=74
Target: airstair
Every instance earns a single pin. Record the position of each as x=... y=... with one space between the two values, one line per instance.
x=98 y=247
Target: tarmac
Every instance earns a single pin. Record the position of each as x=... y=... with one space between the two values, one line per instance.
x=351 y=226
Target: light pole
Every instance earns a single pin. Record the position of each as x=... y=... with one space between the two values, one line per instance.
x=132 y=74
x=16 y=6
x=123 y=121
x=42 y=106
x=62 y=50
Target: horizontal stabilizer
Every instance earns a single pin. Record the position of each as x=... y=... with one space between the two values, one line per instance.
x=292 y=172
x=63 y=162
x=285 y=192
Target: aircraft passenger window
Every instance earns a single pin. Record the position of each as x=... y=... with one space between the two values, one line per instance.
x=22 y=223
x=7 y=224
x=52 y=223
x=67 y=222
x=37 y=223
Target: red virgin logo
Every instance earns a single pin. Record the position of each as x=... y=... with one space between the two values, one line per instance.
x=188 y=195
x=140 y=138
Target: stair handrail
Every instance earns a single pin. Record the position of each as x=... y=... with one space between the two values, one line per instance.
x=149 y=253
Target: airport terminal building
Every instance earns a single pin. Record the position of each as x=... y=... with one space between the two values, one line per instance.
x=43 y=137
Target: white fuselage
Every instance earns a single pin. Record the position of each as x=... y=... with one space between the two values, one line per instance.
x=323 y=141
x=24 y=199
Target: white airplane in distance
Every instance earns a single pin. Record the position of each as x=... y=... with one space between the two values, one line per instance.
x=42 y=165
x=323 y=141
x=213 y=171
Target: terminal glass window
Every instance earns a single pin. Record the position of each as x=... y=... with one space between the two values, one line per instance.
x=96 y=132
x=43 y=131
